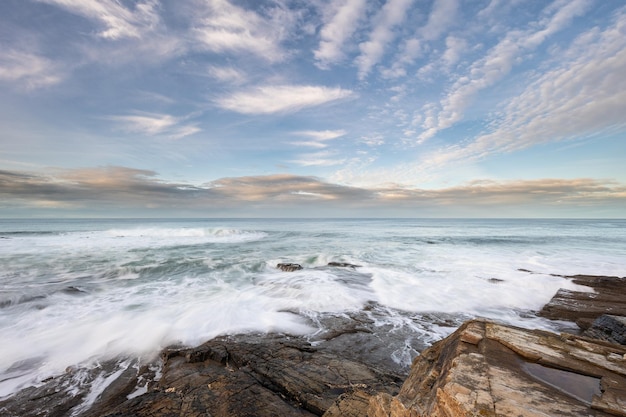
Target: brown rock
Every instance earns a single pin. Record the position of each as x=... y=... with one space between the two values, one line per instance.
x=289 y=267
x=607 y=297
x=487 y=369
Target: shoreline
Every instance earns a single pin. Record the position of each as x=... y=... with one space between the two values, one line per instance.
x=344 y=375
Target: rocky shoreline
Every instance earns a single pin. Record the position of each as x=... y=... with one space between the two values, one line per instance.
x=482 y=369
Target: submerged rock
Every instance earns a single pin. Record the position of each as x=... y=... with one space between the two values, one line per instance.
x=289 y=267
x=488 y=369
x=343 y=265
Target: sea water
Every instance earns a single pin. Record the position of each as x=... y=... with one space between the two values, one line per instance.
x=76 y=292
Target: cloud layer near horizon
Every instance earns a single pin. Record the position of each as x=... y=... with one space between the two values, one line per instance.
x=122 y=191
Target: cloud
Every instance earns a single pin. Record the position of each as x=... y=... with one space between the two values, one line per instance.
x=442 y=16
x=224 y=27
x=498 y=62
x=583 y=95
x=282 y=188
x=411 y=50
x=82 y=187
x=228 y=75
x=119 y=21
x=152 y=124
x=322 y=158
x=272 y=99
x=29 y=70
x=115 y=189
x=318 y=137
x=345 y=16
x=391 y=15
x=455 y=47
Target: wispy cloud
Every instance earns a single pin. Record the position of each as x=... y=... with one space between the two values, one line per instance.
x=388 y=18
x=228 y=75
x=280 y=98
x=443 y=15
x=224 y=27
x=498 y=62
x=584 y=94
x=321 y=158
x=28 y=69
x=152 y=124
x=318 y=137
x=342 y=20
x=126 y=188
x=118 y=21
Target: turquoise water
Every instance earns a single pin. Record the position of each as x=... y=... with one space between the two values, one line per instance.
x=80 y=291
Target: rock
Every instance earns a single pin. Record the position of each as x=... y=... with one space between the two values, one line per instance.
x=75 y=391
x=253 y=375
x=288 y=267
x=343 y=265
x=354 y=404
x=488 y=369
x=584 y=307
x=609 y=328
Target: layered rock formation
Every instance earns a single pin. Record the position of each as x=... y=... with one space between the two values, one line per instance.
x=488 y=369
x=608 y=297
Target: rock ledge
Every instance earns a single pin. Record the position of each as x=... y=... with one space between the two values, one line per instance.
x=488 y=369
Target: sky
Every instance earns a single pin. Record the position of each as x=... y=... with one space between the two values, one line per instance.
x=318 y=108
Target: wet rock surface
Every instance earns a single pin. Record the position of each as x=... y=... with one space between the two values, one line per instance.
x=607 y=296
x=488 y=369
x=252 y=375
x=608 y=327
x=240 y=375
x=289 y=267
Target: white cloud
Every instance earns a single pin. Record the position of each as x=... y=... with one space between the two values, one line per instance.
x=322 y=158
x=119 y=21
x=322 y=135
x=30 y=70
x=318 y=137
x=454 y=49
x=153 y=124
x=373 y=140
x=442 y=16
x=227 y=75
x=579 y=97
x=584 y=94
x=498 y=62
x=345 y=16
x=225 y=27
x=391 y=15
x=411 y=50
x=280 y=98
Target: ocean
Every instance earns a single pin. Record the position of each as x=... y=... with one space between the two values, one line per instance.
x=79 y=292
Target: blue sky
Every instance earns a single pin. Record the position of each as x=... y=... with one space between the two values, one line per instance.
x=413 y=108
